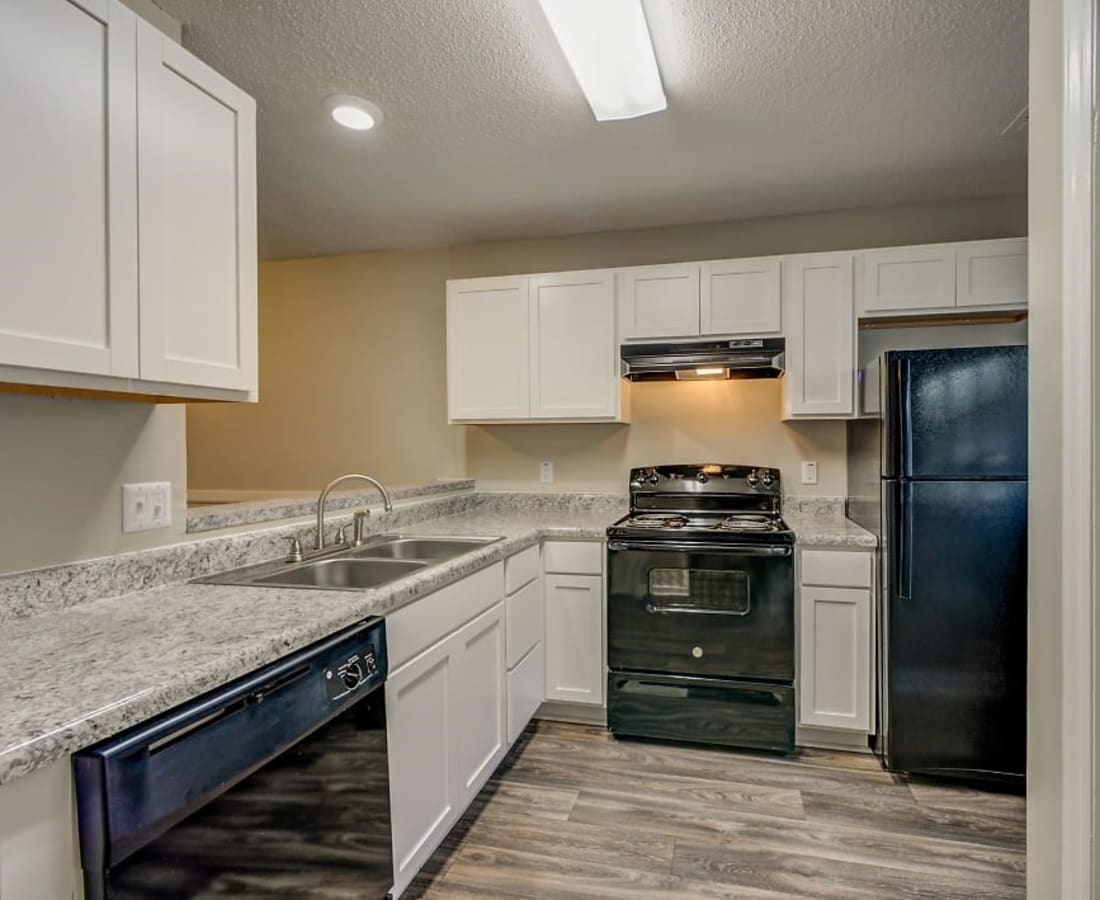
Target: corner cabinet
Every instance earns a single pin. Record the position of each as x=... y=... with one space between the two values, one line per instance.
x=128 y=245
x=534 y=348
x=819 y=311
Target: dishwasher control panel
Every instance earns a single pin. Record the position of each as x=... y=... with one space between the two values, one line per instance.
x=358 y=670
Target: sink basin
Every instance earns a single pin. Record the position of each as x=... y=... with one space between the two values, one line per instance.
x=433 y=549
x=353 y=574
x=386 y=559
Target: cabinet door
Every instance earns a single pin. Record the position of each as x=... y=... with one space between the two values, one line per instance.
x=659 y=302
x=478 y=701
x=834 y=679
x=525 y=687
x=740 y=296
x=197 y=195
x=488 y=351
x=574 y=357
x=68 y=233
x=821 y=326
x=425 y=791
x=900 y=279
x=992 y=273
x=574 y=638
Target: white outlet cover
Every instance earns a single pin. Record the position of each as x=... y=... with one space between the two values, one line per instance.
x=146 y=506
x=160 y=504
x=809 y=472
x=546 y=472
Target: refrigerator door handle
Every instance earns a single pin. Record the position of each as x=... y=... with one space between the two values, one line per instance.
x=905 y=548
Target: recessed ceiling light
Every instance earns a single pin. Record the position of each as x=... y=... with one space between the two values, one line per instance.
x=609 y=49
x=353 y=112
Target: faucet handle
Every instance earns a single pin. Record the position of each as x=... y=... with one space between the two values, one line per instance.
x=341 y=534
x=294 y=554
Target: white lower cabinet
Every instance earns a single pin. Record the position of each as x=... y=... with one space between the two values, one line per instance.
x=479 y=701
x=574 y=639
x=835 y=683
x=525 y=691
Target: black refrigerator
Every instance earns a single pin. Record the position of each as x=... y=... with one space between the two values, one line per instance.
x=941 y=477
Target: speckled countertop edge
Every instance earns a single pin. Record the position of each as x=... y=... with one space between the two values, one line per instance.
x=142 y=653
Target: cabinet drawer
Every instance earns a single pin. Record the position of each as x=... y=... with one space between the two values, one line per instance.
x=524 y=620
x=573 y=557
x=520 y=569
x=524 y=692
x=837 y=568
x=416 y=627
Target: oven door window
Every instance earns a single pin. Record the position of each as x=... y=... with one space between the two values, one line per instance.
x=720 y=592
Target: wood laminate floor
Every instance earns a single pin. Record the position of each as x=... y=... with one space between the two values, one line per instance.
x=575 y=813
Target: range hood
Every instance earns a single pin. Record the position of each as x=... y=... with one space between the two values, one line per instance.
x=699 y=360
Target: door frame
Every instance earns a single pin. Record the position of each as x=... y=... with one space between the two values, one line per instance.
x=1080 y=687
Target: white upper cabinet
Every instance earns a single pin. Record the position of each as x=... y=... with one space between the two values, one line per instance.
x=740 y=296
x=128 y=241
x=534 y=348
x=659 y=302
x=944 y=278
x=820 y=329
x=902 y=279
x=488 y=349
x=68 y=232
x=992 y=273
x=574 y=357
x=197 y=190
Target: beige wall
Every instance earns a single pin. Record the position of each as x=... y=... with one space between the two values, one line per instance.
x=1044 y=835
x=64 y=463
x=352 y=378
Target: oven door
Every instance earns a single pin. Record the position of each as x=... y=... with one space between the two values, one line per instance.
x=720 y=610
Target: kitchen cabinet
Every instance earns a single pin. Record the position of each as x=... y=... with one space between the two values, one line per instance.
x=659 y=302
x=445 y=714
x=488 y=349
x=835 y=682
x=38 y=842
x=740 y=297
x=943 y=278
x=575 y=646
x=534 y=348
x=524 y=621
x=574 y=356
x=68 y=236
x=819 y=312
x=197 y=209
x=128 y=249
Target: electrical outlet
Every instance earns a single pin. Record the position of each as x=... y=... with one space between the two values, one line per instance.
x=809 y=471
x=546 y=472
x=146 y=506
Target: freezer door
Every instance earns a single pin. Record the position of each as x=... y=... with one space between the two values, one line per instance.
x=955 y=628
x=958 y=413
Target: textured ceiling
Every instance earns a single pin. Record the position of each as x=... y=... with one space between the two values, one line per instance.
x=775 y=106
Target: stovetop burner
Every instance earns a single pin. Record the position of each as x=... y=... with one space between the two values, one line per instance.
x=704 y=503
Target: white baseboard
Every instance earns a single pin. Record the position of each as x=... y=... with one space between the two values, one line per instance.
x=578 y=713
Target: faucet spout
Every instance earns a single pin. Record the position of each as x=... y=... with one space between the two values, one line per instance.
x=319 y=544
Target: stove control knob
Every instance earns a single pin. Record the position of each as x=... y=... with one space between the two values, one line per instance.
x=752 y=478
x=353 y=674
x=766 y=478
x=702 y=478
x=654 y=477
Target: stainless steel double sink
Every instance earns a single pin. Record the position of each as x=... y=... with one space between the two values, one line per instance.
x=383 y=560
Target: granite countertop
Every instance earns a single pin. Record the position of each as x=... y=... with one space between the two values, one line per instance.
x=76 y=675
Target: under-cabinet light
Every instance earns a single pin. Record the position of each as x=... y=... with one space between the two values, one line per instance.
x=610 y=51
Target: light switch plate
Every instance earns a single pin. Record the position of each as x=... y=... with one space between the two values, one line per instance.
x=146 y=506
x=546 y=472
x=809 y=471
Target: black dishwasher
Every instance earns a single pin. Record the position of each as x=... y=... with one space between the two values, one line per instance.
x=275 y=785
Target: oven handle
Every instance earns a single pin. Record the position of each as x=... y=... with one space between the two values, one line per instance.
x=732 y=549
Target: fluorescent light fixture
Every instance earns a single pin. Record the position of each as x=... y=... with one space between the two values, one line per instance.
x=353 y=112
x=609 y=49
x=704 y=373
x=714 y=370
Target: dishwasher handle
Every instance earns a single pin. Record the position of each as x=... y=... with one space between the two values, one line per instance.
x=134 y=787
